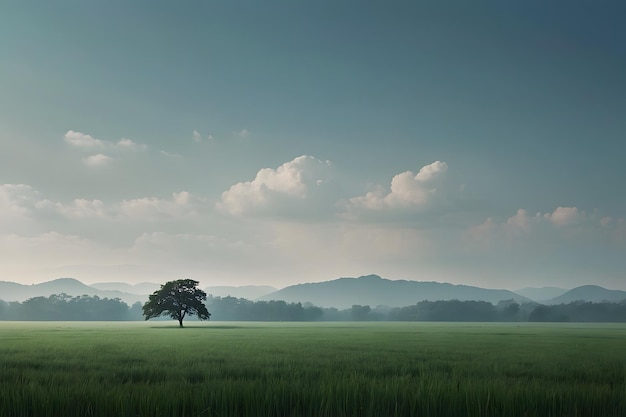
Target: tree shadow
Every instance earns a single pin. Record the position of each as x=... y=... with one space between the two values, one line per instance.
x=218 y=327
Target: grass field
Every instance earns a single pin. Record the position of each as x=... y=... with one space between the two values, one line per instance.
x=311 y=369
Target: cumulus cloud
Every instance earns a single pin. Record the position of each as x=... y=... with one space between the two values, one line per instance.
x=88 y=142
x=27 y=202
x=272 y=190
x=82 y=140
x=130 y=145
x=426 y=192
x=23 y=201
x=17 y=195
x=83 y=209
x=97 y=160
x=563 y=224
x=564 y=215
x=521 y=222
x=182 y=204
x=407 y=189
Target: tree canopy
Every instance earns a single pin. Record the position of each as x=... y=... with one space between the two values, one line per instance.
x=177 y=299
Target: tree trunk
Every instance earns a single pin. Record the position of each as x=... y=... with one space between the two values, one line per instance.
x=180 y=322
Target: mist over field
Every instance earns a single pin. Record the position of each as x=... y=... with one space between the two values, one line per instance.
x=367 y=298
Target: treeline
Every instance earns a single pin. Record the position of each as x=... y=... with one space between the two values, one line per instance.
x=581 y=311
x=63 y=307
x=230 y=308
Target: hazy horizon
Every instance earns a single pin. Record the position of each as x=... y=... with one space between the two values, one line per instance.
x=261 y=284
x=276 y=144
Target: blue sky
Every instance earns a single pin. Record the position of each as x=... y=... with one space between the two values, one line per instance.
x=279 y=142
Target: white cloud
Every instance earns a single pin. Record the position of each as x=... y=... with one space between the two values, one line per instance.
x=276 y=189
x=85 y=141
x=564 y=215
x=520 y=222
x=243 y=133
x=563 y=224
x=171 y=155
x=408 y=192
x=130 y=145
x=197 y=136
x=182 y=205
x=407 y=189
x=82 y=140
x=20 y=201
x=83 y=209
x=97 y=160
x=15 y=195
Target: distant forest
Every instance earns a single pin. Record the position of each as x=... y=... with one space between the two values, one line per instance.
x=63 y=307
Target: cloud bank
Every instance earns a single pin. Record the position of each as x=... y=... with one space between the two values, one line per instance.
x=291 y=187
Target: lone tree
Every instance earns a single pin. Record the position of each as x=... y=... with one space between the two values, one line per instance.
x=177 y=299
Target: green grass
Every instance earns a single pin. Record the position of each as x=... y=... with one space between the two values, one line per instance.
x=311 y=369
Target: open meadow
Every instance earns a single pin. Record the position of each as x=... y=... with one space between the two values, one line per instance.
x=311 y=369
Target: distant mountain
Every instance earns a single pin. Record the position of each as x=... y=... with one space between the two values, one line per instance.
x=373 y=290
x=591 y=293
x=129 y=293
x=12 y=291
x=250 y=292
x=541 y=294
x=143 y=288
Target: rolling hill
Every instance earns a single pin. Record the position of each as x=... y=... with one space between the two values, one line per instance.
x=593 y=293
x=340 y=293
x=373 y=290
x=11 y=291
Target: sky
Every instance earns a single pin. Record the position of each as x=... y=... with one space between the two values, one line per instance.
x=275 y=142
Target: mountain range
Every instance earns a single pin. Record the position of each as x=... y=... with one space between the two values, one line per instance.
x=373 y=290
x=12 y=291
x=340 y=293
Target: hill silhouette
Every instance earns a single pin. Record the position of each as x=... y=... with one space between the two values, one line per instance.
x=373 y=290
x=12 y=291
x=593 y=293
x=340 y=293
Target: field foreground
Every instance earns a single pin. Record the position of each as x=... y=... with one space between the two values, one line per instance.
x=311 y=369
